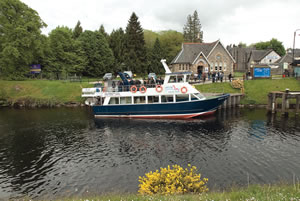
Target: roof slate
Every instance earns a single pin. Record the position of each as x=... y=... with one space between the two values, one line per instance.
x=258 y=55
x=190 y=51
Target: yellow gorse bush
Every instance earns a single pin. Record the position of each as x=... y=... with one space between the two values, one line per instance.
x=176 y=180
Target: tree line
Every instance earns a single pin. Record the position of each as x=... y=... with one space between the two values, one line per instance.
x=70 y=51
x=75 y=51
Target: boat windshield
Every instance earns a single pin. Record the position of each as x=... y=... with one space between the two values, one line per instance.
x=199 y=96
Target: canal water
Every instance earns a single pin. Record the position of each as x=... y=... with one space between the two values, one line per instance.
x=52 y=153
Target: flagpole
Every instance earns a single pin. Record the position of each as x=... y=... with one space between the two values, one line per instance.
x=294 y=45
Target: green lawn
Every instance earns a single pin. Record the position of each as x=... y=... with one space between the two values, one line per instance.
x=256 y=91
x=253 y=193
x=57 y=91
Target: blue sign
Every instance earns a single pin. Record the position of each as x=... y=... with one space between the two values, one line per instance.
x=262 y=72
x=36 y=68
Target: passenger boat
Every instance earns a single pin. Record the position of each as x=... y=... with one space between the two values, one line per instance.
x=172 y=98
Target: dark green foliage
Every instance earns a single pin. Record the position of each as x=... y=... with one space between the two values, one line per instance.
x=274 y=44
x=170 y=42
x=117 y=45
x=241 y=44
x=135 y=53
x=77 y=30
x=103 y=32
x=192 y=29
x=100 y=57
x=66 y=55
x=156 y=56
x=20 y=38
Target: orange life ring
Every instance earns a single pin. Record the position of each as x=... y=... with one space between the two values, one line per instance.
x=133 y=89
x=143 y=89
x=183 y=90
x=104 y=89
x=159 y=88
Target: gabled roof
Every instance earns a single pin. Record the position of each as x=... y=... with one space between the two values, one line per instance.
x=190 y=51
x=258 y=55
x=286 y=58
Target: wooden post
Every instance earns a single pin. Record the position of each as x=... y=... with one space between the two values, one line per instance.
x=283 y=104
x=273 y=103
x=229 y=104
x=233 y=101
x=269 y=102
x=297 y=104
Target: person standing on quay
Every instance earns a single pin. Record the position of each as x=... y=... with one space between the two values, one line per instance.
x=230 y=77
x=221 y=76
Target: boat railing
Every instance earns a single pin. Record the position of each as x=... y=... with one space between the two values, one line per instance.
x=124 y=88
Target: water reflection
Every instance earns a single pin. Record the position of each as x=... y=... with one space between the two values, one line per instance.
x=65 y=152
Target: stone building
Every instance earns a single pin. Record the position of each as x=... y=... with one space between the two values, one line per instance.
x=241 y=56
x=203 y=58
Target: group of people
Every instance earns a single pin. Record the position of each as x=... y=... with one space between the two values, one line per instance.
x=149 y=83
x=214 y=76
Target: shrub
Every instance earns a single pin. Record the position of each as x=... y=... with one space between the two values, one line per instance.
x=174 y=180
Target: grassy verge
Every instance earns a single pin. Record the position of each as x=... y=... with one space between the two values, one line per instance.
x=42 y=91
x=256 y=91
x=254 y=192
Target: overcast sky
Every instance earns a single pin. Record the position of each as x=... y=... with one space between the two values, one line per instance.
x=231 y=21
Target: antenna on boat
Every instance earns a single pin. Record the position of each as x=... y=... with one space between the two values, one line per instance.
x=163 y=61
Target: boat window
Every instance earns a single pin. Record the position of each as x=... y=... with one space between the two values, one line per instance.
x=165 y=99
x=188 y=77
x=172 y=79
x=153 y=99
x=125 y=100
x=198 y=95
x=180 y=78
x=114 y=101
x=139 y=99
x=182 y=97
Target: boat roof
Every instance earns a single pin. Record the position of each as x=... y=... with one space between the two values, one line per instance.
x=180 y=73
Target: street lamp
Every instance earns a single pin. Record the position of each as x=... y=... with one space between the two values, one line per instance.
x=294 y=45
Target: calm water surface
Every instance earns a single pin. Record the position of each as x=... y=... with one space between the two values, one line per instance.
x=49 y=153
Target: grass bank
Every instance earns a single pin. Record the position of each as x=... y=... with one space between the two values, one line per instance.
x=253 y=193
x=41 y=92
x=51 y=93
x=256 y=91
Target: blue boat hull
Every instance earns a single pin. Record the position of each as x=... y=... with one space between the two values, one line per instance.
x=161 y=110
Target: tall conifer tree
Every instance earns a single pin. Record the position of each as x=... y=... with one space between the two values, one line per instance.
x=135 y=46
x=192 y=29
x=77 y=30
x=117 y=44
x=156 y=56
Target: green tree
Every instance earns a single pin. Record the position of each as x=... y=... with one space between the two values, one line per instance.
x=171 y=42
x=77 y=30
x=20 y=38
x=192 y=29
x=135 y=52
x=274 y=44
x=156 y=56
x=117 y=45
x=99 y=56
x=66 y=54
x=150 y=38
x=103 y=32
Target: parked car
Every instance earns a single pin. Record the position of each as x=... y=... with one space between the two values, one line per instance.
x=107 y=76
x=150 y=75
x=129 y=73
